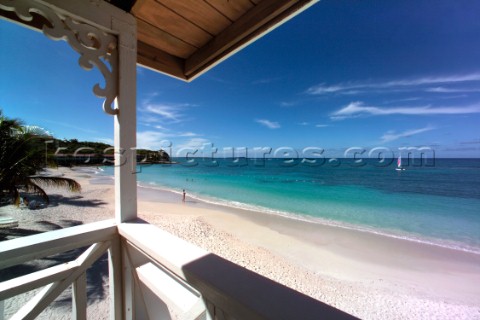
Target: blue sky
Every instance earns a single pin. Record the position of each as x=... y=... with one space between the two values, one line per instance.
x=342 y=74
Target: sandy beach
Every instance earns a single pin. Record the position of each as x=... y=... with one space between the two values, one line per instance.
x=367 y=275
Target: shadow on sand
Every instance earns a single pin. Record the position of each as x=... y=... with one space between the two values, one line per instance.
x=97 y=274
x=57 y=199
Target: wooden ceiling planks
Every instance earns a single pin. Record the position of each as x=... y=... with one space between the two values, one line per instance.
x=238 y=32
x=162 y=40
x=184 y=38
x=200 y=13
x=158 y=60
x=167 y=20
x=232 y=9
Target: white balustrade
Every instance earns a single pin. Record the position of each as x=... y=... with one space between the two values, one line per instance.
x=153 y=275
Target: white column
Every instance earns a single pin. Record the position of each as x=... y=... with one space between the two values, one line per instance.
x=126 y=124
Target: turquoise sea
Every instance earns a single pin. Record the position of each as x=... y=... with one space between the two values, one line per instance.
x=438 y=203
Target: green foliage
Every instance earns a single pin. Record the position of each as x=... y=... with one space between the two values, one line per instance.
x=22 y=157
x=72 y=145
x=68 y=149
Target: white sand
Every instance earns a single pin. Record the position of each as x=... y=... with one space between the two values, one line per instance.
x=366 y=275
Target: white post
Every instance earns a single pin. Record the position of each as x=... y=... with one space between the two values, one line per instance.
x=128 y=285
x=115 y=271
x=126 y=124
x=79 y=298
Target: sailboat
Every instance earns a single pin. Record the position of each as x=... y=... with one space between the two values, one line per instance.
x=399 y=164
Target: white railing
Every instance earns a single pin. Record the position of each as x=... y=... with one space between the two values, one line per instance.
x=228 y=290
x=153 y=275
x=99 y=237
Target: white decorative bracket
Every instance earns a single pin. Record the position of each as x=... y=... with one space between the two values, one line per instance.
x=95 y=46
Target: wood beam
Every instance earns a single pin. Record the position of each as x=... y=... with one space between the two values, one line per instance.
x=254 y=23
x=159 y=60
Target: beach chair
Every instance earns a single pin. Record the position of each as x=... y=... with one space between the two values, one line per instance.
x=7 y=223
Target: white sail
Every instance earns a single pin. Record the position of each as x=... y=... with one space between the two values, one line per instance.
x=399 y=164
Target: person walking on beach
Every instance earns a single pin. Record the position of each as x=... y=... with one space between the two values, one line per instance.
x=184 y=195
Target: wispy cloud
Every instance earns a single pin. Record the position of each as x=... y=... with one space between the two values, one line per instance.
x=413 y=83
x=267 y=123
x=321 y=125
x=188 y=134
x=391 y=135
x=156 y=139
x=451 y=90
x=154 y=113
x=402 y=100
x=304 y=123
x=169 y=112
x=355 y=109
x=152 y=140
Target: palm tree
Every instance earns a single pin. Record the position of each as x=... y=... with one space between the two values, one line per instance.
x=21 y=159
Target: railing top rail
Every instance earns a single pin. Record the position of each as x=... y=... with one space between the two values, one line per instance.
x=20 y=250
x=163 y=247
x=241 y=293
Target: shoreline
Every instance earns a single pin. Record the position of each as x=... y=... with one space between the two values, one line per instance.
x=364 y=274
x=253 y=211
x=353 y=252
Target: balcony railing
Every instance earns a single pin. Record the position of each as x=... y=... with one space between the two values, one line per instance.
x=152 y=275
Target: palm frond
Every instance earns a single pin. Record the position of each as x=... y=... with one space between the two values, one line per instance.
x=60 y=182
x=31 y=186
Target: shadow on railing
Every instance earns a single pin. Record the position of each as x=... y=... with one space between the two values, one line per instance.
x=233 y=290
x=152 y=274
x=225 y=290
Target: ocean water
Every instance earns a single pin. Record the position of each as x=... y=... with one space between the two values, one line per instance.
x=436 y=203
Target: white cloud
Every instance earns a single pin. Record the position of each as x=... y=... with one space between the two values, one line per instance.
x=188 y=134
x=267 y=123
x=324 y=89
x=147 y=119
x=150 y=112
x=359 y=87
x=358 y=108
x=391 y=135
x=449 y=90
x=303 y=123
x=403 y=100
x=155 y=140
x=321 y=125
x=152 y=140
x=165 y=111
